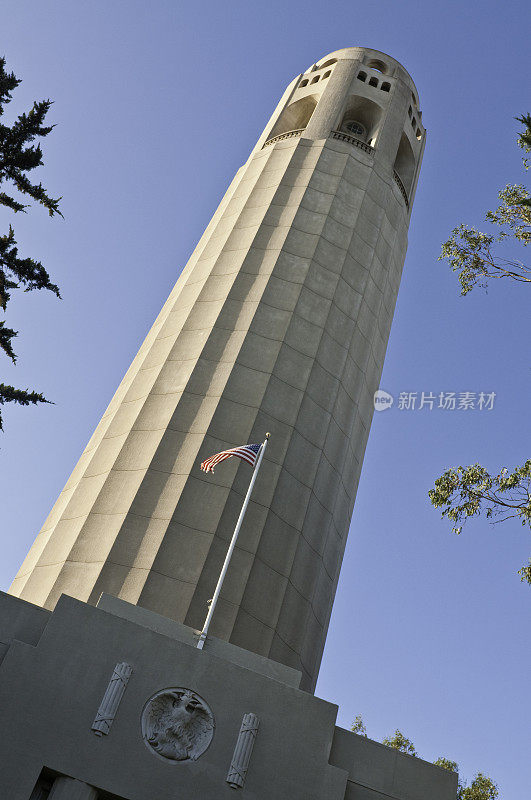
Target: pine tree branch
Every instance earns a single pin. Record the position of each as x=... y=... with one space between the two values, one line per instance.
x=23 y=397
x=6 y=334
x=8 y=82
x=16 y=158
x=35 y=191
x=10 y=202
x=19 y=154
x=16 y=271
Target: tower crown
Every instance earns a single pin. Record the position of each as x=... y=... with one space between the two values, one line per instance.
x=373 y=59
x=361 y=96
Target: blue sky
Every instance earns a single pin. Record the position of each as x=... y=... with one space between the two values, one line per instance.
x=156 y=107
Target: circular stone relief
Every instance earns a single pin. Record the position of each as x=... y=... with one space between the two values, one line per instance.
x=177 y=724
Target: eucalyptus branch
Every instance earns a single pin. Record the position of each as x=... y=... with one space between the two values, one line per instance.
x=469 y=251
x=469 y=491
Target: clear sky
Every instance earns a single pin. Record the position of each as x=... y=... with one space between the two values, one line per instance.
x=157 y=104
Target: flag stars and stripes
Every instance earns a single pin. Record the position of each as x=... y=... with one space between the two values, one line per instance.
x=248 y=453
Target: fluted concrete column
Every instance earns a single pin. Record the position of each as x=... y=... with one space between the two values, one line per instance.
x=395 y=121
x=327 y=115
x=279 y=322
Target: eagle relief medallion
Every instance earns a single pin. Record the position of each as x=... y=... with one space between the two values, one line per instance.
x=177 y=724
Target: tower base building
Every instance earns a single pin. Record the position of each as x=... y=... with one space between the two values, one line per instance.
x=115 y=702
x=279 y=322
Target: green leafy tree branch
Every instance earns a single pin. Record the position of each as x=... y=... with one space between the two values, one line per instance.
x=400 y=742
x=468 y=491
x=471 y=253
x=358 y=726
x=481 y=788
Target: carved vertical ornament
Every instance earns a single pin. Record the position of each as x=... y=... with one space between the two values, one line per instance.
x=111 y=699
x=243 y=751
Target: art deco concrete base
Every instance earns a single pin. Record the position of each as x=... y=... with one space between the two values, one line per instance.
x=115 y=702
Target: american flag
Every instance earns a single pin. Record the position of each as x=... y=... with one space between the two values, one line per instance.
x=248 y=452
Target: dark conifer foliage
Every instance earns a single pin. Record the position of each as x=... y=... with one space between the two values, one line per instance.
x=19 y=154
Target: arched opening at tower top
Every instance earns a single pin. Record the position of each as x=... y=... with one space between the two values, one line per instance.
x=366 y=113
x=404 y=164
x=378 y=65
x=295 y=117
x=328 y=63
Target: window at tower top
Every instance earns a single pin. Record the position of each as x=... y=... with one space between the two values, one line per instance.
x=327 y=63
x=379 y=66
x=363 y=113
x=354 y=127
x=294 y=117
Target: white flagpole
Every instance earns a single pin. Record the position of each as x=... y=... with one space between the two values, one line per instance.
x=232 y=545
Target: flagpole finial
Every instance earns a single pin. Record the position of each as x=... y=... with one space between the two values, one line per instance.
x=268 y=435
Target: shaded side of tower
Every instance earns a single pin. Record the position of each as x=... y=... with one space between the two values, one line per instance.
x=279 y=322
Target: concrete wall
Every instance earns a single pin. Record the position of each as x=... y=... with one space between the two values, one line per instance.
x=279 y=322
x=20 y=620
x=50 y=691
x=377 y=772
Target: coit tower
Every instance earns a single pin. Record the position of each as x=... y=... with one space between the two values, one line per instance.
x=279 y=322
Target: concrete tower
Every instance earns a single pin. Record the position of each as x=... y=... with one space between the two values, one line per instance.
x=279 y=322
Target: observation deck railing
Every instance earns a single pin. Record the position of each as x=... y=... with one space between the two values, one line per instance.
x=287 y=135
x=342 y=137
x=402 y=188
x=346 y=137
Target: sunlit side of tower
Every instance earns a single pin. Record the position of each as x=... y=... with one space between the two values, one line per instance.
x=279 y=322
